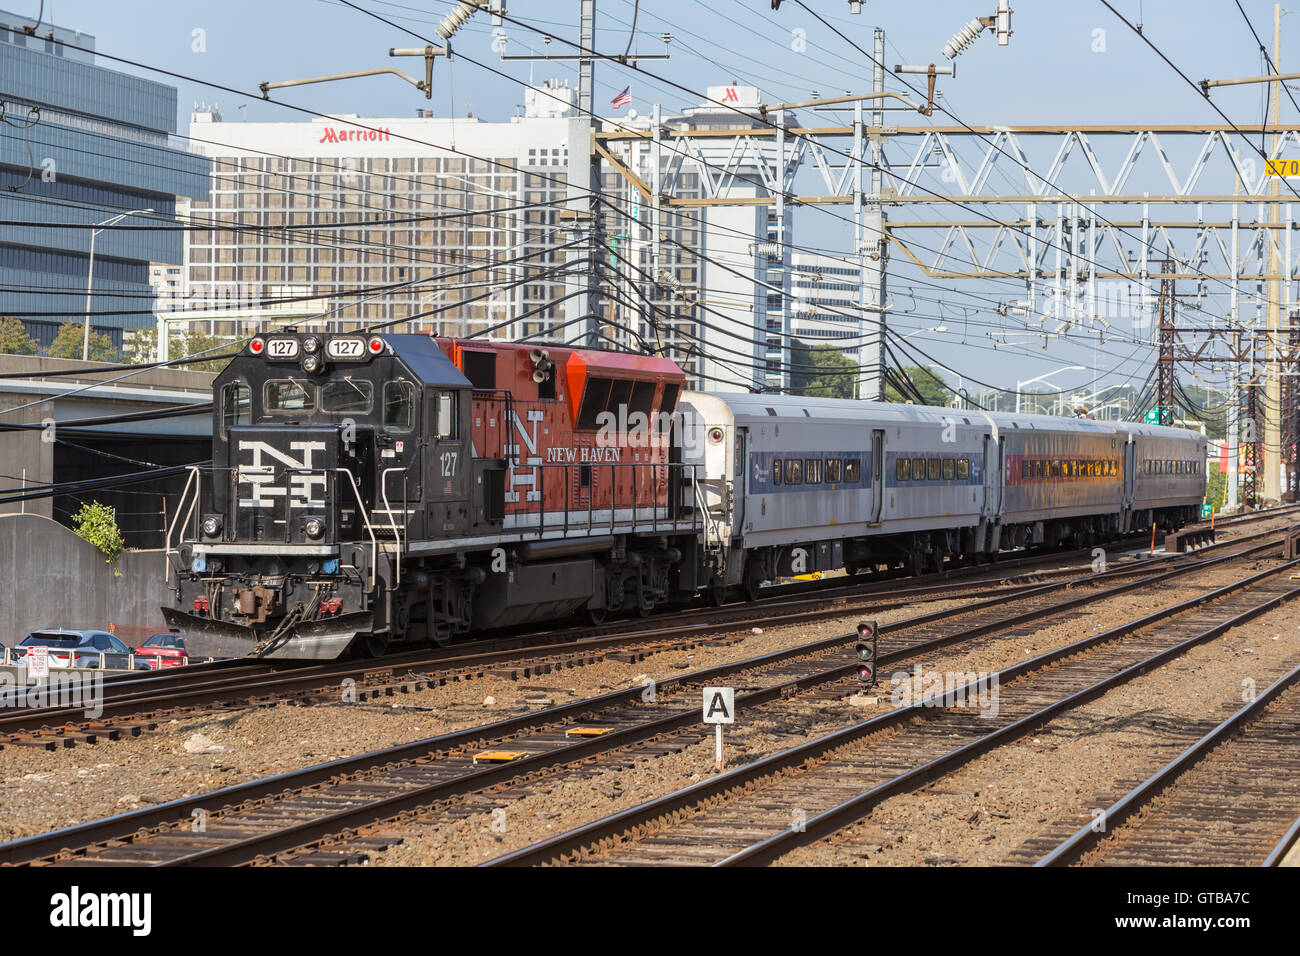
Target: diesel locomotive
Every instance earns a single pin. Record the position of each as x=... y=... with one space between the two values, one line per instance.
x=369 y=492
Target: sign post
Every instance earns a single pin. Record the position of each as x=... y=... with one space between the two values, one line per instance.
x=38 y=663
x=719 y=709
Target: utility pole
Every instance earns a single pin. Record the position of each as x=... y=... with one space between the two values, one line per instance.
x=583 y=314
x=870 y=240
x=1165 y=354
x=1271 y=459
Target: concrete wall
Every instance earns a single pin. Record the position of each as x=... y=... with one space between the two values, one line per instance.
x=49 y=577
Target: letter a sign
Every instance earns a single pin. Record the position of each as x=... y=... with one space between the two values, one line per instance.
x=719 y=705
x=719 y=709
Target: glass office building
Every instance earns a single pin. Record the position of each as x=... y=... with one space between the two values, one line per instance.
x=79 y=145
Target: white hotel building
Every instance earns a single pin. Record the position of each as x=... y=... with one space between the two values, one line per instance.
x=341 y=216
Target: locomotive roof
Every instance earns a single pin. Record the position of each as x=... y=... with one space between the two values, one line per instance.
x=784 y=406
x=426 y=361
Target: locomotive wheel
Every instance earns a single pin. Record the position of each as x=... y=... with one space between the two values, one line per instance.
x=717 y=595
x=374 y=645
x=595 y=616
x=753 y=582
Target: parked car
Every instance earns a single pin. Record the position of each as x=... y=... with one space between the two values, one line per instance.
x=163 y=650
x=70 y=648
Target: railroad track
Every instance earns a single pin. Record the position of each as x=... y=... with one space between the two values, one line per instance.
x=260 y=818
x=1230 y=799
x=757 y=813
x=135 y=704
x=131 y=707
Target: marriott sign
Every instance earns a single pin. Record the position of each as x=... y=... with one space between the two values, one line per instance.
x=343 y=135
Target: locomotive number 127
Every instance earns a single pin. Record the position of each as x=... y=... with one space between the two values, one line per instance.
x=448 y=459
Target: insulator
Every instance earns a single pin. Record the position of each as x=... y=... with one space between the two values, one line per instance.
x=767 y=248
x=456 y=19
x=961 y=39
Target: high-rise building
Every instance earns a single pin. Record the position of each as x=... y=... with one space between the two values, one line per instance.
x=453 y=225
x=825 y=294
x=82 y=144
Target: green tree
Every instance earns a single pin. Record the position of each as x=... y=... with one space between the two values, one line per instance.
x=67 y=344
x=822 y=371
x=97 y=523
x=143 y=346
x=927 y=382
x=196 y=343
x=14 y=339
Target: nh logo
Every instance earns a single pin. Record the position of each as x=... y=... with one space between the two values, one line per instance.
x=260 y=475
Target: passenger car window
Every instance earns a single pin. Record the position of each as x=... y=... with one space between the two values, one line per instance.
x=399 y=406
x=949 y=469
x=934 y=469
x=834 y=471
x=918 y=469
x=793 y=472
x=776 y=472
x=852 y=470
x=963 y=468
x=812 y=471
x=904 y=469
x=287 y=395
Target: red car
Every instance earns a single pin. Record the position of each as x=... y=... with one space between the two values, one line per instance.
x=163 y=650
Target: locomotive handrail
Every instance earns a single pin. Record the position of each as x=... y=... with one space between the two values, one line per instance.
x=383 y=493
x=196 y=481
x=564 y=518
x=361 y=507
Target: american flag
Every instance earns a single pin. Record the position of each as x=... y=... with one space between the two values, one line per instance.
x=622 y=99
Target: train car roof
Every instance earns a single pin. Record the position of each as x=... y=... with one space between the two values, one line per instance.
x=785 y=406
x=426 y=361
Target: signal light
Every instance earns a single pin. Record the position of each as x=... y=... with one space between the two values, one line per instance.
x=256 y=346
x=866 y=652
x=201 y=605
x=376 y=345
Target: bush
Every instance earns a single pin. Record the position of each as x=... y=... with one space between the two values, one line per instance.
x=97 y=523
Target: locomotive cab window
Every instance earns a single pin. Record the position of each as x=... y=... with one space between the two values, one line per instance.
x=594 y=400
x=347 y=395
x=236 y=406
x=852 y=470
x=399 y=406
x=285 y=395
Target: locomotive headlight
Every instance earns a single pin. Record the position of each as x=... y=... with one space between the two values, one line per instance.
x=311 y=363
x=311 y=345
x=211 y=526
x=314 y=527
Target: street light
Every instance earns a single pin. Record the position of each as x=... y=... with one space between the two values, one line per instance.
x=90 y=276
x=1020 y=385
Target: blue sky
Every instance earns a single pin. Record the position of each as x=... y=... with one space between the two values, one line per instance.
x=1057 y=69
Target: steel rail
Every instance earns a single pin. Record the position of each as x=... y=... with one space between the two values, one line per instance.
x=851 y=810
